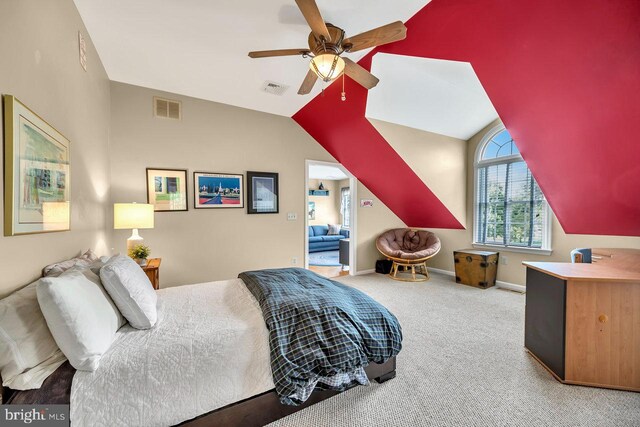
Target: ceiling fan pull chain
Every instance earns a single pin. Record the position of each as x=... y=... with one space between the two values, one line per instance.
x=344 y=94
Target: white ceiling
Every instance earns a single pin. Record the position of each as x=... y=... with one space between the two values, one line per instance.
x=199 y=47
x=326 y=172
x=443 y=97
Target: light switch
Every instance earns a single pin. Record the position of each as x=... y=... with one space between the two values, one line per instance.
x=292 y=216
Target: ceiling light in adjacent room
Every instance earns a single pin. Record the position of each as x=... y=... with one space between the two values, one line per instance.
x=327 y=66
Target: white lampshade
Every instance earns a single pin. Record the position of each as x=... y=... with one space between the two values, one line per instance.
x=55 y=216
x=327 y=66
x=132 y=215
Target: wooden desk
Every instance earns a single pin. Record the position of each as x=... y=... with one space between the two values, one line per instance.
x=582 y=322
x=152 y=269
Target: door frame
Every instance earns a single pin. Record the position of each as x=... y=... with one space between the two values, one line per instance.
x=353 y=227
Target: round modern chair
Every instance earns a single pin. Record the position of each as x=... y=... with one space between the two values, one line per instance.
x=409 y=249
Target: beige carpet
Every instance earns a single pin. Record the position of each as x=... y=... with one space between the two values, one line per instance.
x=463 y=364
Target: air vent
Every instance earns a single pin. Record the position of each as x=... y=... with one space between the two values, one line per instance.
x=167 y=108
x=274 y=88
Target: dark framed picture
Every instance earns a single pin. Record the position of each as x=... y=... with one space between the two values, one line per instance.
x=262 y=192
x=36 y=167
x=217 y=190
x=167 y=189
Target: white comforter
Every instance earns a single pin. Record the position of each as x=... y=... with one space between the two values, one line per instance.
x=209 y=349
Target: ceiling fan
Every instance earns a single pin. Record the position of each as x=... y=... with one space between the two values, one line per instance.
x=326 y=45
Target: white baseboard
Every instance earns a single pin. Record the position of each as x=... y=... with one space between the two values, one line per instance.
x=361 y=272
x=500 y=284
x=445 y=272
x=511 y=286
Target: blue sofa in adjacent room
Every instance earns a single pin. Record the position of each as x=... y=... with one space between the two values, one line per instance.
x=319 y=240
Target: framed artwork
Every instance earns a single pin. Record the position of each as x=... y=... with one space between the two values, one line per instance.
x=36 y=166
x=217 y=190
x=262 y=192
x=312 y=210
x=167 y=189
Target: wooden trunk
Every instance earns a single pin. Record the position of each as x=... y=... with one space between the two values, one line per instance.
x=476 y=268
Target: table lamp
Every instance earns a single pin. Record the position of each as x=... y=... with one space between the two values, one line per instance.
x=132 y=216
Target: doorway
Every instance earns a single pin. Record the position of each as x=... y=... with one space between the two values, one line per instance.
x=330 y=221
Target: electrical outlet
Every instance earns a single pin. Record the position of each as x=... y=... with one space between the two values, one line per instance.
x=292 y=216
x=504 y=260
x=294 y=261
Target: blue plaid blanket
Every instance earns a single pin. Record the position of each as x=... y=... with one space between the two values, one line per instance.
x=321 y=333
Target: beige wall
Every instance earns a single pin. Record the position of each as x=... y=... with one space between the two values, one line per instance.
x=327 y=207
x=372 y=222
x=440 y=161
x=447 y=167
x=40 y=66
x=210 y=244
x=205 y=245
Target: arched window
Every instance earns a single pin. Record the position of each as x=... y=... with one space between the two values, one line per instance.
x=510 y=209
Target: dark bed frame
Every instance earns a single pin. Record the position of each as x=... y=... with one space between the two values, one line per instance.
x=266 y=407
x=255 y=411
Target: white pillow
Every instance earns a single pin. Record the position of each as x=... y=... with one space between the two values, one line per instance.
x=98 y=264
x=81 y=316
x=28 y=352
x=58 y=268
x=131 y=290
x=334 y=229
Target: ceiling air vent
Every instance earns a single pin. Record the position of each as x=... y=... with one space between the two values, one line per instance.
x=274 y=88
x=167 y=108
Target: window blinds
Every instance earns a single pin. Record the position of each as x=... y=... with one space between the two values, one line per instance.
x=511 y=207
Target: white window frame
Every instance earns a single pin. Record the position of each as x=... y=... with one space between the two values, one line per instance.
x=477 y=163
x=349 y=210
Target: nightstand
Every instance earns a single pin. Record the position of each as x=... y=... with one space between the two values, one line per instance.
x=153 y=271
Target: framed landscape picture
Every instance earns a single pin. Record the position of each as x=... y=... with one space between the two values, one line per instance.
x=167 y=189
x=37 y=181
x=262 y=192
x=218 y=190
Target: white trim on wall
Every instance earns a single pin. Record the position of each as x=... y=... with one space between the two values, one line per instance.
x=353 y=226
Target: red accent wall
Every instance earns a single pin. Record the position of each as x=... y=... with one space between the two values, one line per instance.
x=564 y=77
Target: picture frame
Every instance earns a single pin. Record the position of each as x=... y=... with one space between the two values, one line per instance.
x=213 y=190
x=262 y=193
x=167 y=189
x=37 y=185
x=311 y=210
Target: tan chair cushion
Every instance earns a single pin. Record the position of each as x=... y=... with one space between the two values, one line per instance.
x=408 y=244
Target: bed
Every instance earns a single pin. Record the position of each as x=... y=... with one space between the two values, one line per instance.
x=206 y=362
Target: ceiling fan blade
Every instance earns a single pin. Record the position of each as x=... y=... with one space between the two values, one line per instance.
x=308 y=83
x=311 y=13
x=280 y=52
x=359 y=74
x=376 y=37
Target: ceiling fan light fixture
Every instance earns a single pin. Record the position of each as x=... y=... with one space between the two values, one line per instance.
x=327 y=66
